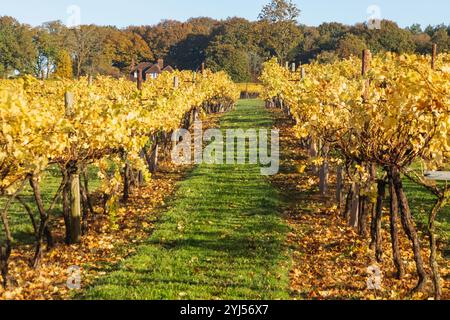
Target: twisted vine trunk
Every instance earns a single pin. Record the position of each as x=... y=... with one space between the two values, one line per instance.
x=30 y=214
x=89 y=203
x=43 y=229
x=364 y=209
x=354 y=205
x=408 y=225
x=5 y=250
x=313 y=152
x=348 y=204
x=126 y=182
x=377 y=237
x=85 y=208
x=153 y=160
x=440 y=203
x=394 y=220
x=366 y=205
x=5 y=253
x=324 y=171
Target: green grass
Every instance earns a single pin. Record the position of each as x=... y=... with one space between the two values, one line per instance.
x=421 y=202
x=21 y=227
x=222 y=237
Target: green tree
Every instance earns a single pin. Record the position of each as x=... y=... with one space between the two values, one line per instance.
x=442 y=39
x=190 y=53
x=390 y=37
x=278 y=22
x=308 y=47
x=241 y=35
x=415 y=29
x=234 y=61
x=350 y=45
x=330 y=35
x=50 y=39
x=280 y=11
x=17 y=50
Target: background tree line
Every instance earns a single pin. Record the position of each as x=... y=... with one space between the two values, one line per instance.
x=235 y=45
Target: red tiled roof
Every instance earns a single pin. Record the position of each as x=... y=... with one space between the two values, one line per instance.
x=168 y=69
x=142 y=66
x=153 y=69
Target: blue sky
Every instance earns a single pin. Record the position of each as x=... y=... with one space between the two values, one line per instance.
x=137 y=12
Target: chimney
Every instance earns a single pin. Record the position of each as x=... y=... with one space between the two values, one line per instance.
x=161 y=63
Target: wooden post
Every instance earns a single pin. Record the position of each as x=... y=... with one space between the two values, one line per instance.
x=154 y=159
x=69 y=102
x=287 y=65
x=194 y=77
x=176 y=82
x=139 y=79
x=366 y=60
x=434 y=56
x=302 y=73
x=90 y=80
x=75 y=208
x=203 y=68
x=74 y=180
x=294 y=67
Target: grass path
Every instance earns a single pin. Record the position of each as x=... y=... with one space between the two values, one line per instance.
x=221 y=238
